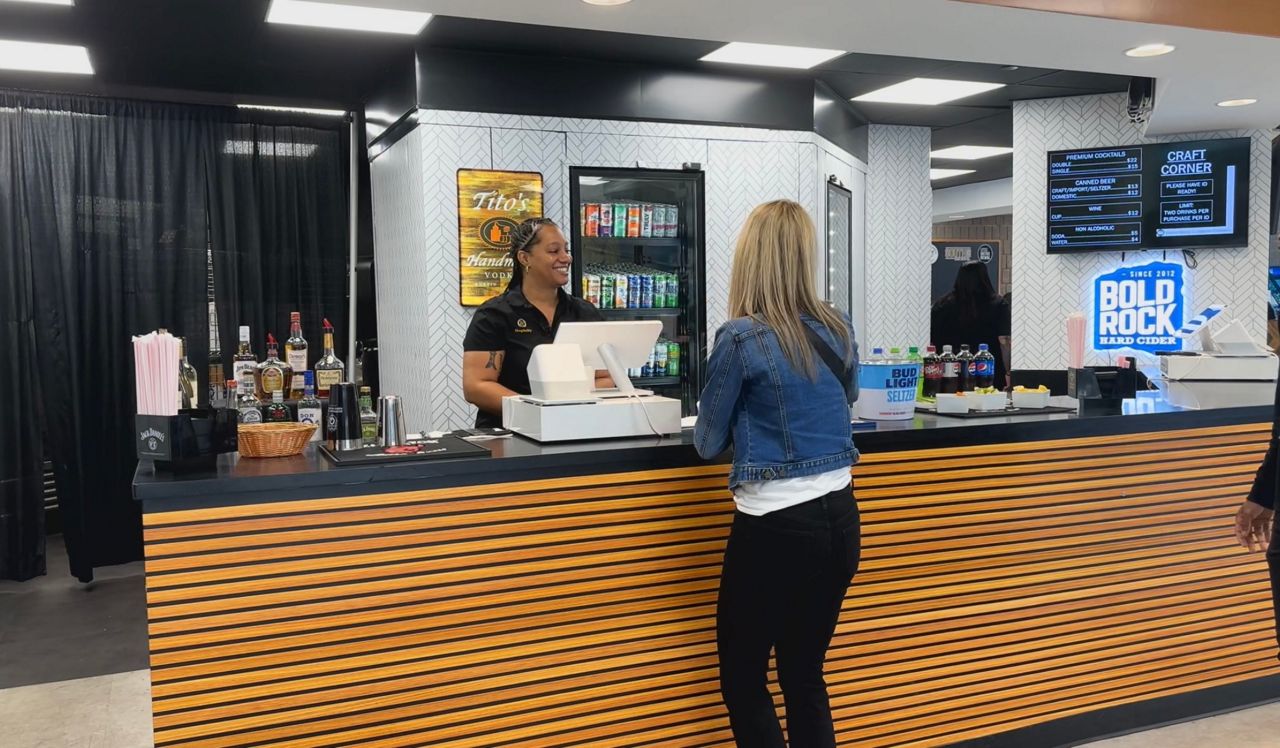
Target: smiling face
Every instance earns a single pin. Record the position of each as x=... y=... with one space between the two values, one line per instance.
x=547 y=259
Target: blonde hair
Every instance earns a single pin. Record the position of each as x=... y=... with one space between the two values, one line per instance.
x=772 y=280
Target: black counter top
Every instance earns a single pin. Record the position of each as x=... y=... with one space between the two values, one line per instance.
x=238 y=480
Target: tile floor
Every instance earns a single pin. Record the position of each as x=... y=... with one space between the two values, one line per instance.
x=101 y=697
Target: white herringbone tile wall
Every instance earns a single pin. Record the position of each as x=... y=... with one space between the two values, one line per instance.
x=399 y=234
x=1046 y=288
x=421 y=324
x=899 y=226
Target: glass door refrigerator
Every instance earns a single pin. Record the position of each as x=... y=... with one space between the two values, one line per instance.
x=638 y=253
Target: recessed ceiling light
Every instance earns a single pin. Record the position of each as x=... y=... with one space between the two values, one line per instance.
x=971 y=152
x=1150 y=50
x=297 y=109
x=772 y=55
x=1237 y=102
x=350 y=17
x=947 y=173
x=606 y=2
x=45 y=58
x=928 y=91
x=955 y=216
x=45 y=2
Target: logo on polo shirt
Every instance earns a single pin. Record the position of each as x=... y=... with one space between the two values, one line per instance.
x=521 y=325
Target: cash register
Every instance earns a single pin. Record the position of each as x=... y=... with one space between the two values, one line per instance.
x=564 y=405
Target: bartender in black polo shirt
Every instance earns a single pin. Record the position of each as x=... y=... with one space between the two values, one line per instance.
x=506 y=328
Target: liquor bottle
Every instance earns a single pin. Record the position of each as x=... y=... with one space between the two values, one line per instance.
x=295 y=352
x=329 y=369
x=188 y=382
x=244 y=365
x=274 y=375
x=217 y=379
x=276 y=411
x=227 y=395
x=310 y=410
x=247 y=405
x=368 y=419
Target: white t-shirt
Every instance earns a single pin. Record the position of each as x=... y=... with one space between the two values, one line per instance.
x=760 y=497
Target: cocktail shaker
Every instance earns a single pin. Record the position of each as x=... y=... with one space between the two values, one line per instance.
x=391 y=432
x=343 y=425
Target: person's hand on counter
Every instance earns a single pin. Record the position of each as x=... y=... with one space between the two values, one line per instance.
x=1253 y=526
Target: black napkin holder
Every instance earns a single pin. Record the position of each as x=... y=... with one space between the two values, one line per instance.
x=1102 y=390
x=191 y=440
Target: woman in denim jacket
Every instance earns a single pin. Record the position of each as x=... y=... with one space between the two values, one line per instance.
x=781 y=377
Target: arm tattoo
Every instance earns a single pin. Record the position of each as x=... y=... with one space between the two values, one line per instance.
x=495 y=360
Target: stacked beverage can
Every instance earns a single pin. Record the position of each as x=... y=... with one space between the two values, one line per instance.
x=619 y=219
x=592 y=225
x=646 y=220
x=660 y=358
x=646 y=291
x=633 y=219
x=606 y=220
x=621 y=292
x=673 y=359
x=606 y=290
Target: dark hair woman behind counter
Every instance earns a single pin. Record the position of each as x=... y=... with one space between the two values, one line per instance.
x=973 y=314
x=506 y=328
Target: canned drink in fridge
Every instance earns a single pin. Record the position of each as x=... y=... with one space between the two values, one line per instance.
x=619 y=219
x=660 y=358
x=659 y=290
x=619 y=291
x=593 y=289
x=606 y=291
x=673 y=221
x=647 y=369
x=646 y=220
x=582 y=219
x=592 y=227
x=633 y=219
x=659 y=219
x=646 y=291
x=670 y=295
x=633 y=291
x=606 y=220
x=673 y=359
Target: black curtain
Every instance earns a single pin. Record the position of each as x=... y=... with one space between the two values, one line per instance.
x=107 y=216
x=278 y=215
x=21 y=480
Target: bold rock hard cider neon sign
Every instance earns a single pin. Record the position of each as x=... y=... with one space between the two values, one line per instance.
x=1139 y=308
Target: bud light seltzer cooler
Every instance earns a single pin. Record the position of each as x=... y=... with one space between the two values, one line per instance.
x=887 y=390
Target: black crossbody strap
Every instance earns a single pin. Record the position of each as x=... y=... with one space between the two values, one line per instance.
x=833 y=362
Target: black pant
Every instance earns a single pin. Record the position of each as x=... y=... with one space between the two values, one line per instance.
x=784 y=578
x=1273 y=566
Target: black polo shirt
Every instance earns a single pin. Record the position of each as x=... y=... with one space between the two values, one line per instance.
x=509 y=323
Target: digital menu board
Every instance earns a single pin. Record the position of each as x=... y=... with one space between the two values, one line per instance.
x=1157 y=196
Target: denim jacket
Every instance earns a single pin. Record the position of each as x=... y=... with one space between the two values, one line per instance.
x=781 y=424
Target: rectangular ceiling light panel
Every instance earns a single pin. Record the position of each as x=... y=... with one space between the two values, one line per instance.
x=348 y=17
x=927 y=91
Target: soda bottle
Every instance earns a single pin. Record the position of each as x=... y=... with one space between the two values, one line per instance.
x=950 y=371
x=965 y=361
x=931 y=382
x=877 y=355
x=913 y=357
x=984 y=365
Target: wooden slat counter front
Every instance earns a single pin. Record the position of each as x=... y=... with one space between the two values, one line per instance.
x=1023 y=584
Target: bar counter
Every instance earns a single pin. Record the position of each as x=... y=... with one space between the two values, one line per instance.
x=1030 y=580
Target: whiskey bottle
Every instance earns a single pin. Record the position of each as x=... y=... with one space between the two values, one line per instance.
x=295 y=353
x=329 y=369
x=274 y=375
x=246 y=404
x=368 y=419
x=276 y=411
x=310 y=410
x=188 y=382
x=244 y=365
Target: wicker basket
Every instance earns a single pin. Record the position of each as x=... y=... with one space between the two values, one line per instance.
x=274 y=439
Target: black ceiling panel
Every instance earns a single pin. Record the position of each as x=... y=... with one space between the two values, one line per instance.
x=223 y=51
x=943 y=115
